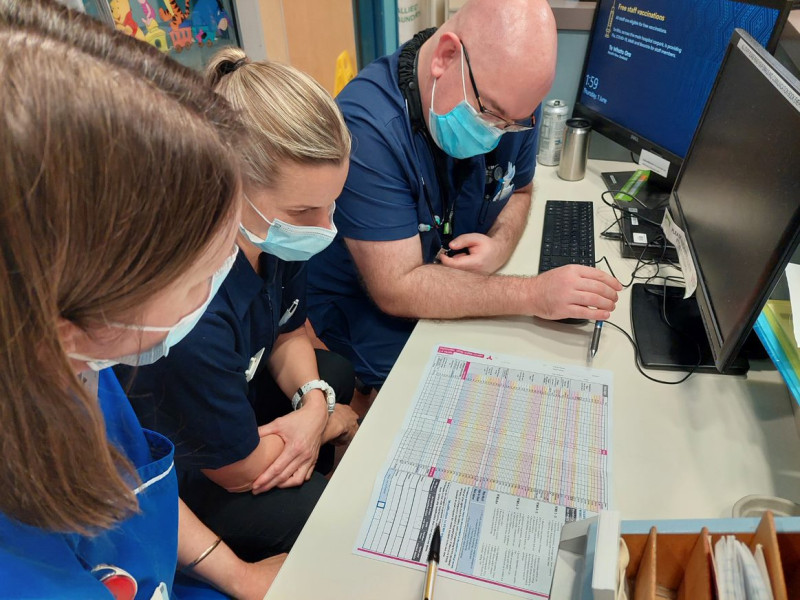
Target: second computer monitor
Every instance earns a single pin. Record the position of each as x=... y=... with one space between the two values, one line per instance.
x=737 y=199
x=651 y=64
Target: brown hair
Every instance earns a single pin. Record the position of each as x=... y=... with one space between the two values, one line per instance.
x=114 y=184
x=49 y=18
x=289 y=116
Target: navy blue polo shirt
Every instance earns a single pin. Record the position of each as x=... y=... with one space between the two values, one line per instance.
x=384 y=199
x=200 y=395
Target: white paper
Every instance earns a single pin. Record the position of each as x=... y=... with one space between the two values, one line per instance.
x=500 y=452
x=639 y=238
x=675 y=235
x=654 y=162
x=793 y=279
x=762 y=568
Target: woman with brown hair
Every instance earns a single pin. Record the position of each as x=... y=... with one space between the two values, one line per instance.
x=101 y=262
x=251 y=407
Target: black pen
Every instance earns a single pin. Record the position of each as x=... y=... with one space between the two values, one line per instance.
x=598 y=327
x=433 y=564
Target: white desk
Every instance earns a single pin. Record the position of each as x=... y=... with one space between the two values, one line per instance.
x=681 y=451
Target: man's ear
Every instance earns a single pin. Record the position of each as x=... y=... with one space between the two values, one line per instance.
x=447 y=50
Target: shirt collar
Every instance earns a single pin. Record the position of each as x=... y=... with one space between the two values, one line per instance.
x=241 y=286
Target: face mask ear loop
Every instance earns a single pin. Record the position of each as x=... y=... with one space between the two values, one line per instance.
x=463 y=81
x=433 y=95
x=258 y=212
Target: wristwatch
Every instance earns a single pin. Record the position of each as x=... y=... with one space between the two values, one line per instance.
x=315 y=384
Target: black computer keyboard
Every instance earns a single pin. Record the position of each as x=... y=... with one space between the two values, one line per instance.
x=567 y=234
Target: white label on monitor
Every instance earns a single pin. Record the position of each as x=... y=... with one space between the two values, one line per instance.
x=640 y=238
x=770 y=74
x=654 y=162
x=678 y=238
x=634 y=221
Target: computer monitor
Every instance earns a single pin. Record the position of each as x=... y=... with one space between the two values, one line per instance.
x=650 y=65
x=737 y=199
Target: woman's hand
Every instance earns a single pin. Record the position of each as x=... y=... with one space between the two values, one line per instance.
x=342 y=425
x=301 y=432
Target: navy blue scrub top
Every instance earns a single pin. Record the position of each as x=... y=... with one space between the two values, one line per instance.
x=200 y=395
x=383 y=200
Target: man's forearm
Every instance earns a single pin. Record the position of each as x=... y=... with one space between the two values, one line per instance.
x=437 y=292
x=512 y=220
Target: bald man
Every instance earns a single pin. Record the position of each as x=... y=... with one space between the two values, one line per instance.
x=443 y=158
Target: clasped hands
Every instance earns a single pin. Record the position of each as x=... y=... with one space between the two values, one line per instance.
x=303 y=431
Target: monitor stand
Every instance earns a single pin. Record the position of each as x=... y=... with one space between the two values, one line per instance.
x=661 y=347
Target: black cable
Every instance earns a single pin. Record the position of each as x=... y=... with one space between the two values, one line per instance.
x=627 y=210
x=637 y=360
x=628 y=194
x=641 y=263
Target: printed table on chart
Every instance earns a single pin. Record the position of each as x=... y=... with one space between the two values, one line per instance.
x=500 y=451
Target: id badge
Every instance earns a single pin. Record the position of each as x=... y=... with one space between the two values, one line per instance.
x=505 y=187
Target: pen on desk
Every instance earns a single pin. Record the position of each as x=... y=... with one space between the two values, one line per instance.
x=598 y=327
x=433 y=565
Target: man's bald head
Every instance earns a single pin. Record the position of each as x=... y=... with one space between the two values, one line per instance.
x=512 y=49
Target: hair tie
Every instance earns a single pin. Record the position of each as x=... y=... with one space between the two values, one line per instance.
x=228 y=67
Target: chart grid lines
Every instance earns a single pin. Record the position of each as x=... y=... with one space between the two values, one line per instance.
x=523 y=431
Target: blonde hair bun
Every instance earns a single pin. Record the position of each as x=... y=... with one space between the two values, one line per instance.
x=288 y=115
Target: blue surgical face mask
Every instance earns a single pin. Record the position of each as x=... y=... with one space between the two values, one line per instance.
x=291 y=242
x=174 y=334
x=462 y=132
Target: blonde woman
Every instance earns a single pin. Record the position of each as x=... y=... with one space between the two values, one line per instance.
x=245 y=398
x=100 y=265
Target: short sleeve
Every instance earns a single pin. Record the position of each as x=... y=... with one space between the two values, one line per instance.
x=377 y=202
x=197 y=397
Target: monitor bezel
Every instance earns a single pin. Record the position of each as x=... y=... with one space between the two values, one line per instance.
x=629 y=139
x=725 y=350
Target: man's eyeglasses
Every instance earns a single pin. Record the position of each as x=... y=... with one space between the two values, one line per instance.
x=495 y=119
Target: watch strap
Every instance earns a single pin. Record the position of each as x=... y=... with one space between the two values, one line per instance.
x=315 y=384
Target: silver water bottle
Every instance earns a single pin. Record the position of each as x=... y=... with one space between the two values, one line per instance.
x=575 y=150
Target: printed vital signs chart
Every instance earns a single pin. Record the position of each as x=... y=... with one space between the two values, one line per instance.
x=499 y=451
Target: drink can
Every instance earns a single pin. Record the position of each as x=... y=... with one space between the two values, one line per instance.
x=551 y=136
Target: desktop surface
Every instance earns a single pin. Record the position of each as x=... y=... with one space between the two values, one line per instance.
x=685 y=451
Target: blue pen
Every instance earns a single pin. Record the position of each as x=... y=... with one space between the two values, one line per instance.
x=598 y=327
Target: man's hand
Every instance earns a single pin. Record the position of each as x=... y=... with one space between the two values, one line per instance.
x=485 y=255
x=301 y=432
x=342 y=425
x=574 y=291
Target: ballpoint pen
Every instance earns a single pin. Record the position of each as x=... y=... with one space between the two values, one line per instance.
x=598 y=327
x=433 y=565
